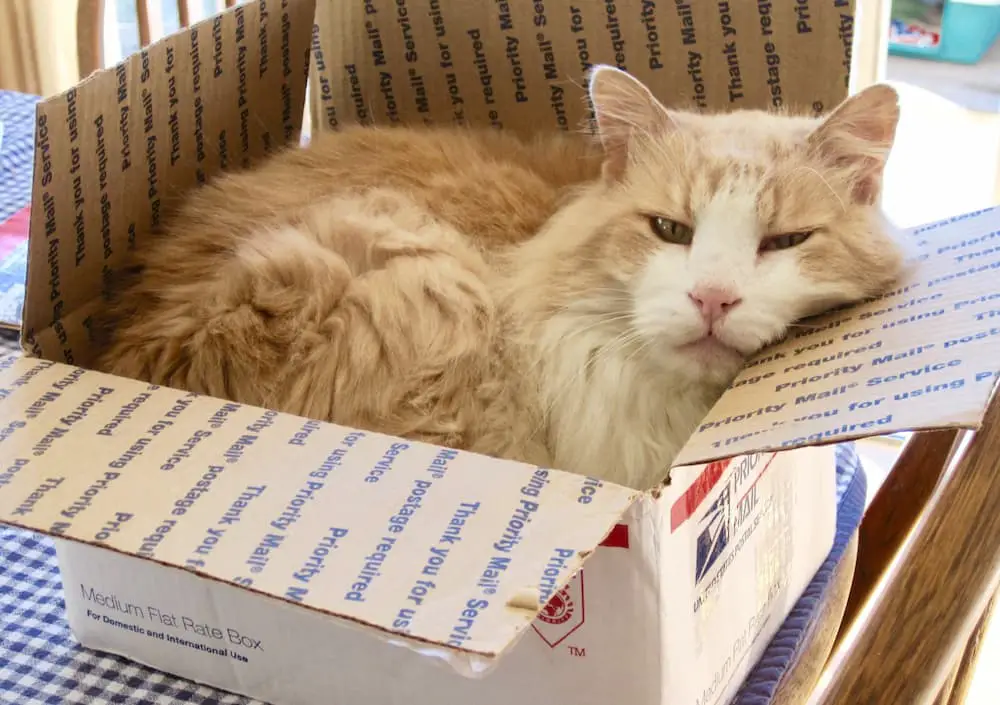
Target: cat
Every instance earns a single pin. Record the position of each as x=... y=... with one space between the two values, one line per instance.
x=572 y=303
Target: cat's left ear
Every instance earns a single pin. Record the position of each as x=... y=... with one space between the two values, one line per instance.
x=624 y=108
x=858 y=135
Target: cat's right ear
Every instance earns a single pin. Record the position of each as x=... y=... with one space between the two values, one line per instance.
x=624 y=109
x=858 y=135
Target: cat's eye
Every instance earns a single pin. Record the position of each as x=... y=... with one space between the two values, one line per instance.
x=671 y=231
x=783 y=241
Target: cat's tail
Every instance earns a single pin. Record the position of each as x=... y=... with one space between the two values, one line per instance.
x=226 y=335
x=364 y=311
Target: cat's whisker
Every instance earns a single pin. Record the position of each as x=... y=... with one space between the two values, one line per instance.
x=595 y=307
x=809 y=169
x=576 y=332
x=662 y=150
x=641 y=348
x=622 y=340
x=599 y=315
x=588 y=328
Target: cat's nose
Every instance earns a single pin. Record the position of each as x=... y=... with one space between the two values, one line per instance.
x=713 y=302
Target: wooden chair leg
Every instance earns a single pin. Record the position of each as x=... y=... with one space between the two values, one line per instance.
x=966 y=667
x=916 y=625
x=947 y=688
x=894 y=510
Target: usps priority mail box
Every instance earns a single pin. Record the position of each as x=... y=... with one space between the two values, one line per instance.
x=301 y=562
x=676 y=603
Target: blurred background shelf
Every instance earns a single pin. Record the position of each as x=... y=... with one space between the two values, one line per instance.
x=972 y=86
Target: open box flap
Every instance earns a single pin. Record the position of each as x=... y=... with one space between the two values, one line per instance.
x=924 y=356
x=521 y=63
x=436 y=545
x=113 y=154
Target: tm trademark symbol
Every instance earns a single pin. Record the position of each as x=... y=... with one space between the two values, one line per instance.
x=577 y=651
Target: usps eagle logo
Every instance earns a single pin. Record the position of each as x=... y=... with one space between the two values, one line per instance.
x=714 y=536
x=564 y=613
x=559 y=610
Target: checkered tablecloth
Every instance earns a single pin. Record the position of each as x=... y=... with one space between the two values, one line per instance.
x=17 y=118
x=41 y=663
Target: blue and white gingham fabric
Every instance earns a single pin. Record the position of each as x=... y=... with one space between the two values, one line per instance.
x=17 y=134
x=17 y=114
x=41 y=663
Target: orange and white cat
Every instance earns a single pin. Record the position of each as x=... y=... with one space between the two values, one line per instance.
x=572 y=305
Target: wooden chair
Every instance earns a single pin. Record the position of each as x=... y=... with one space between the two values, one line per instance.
x=90 y=29
x=926 y=575
x=928 y=562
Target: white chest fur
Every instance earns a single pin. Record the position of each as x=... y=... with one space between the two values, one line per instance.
x=608 y=411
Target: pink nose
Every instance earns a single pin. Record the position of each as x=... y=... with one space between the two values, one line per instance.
x=713 y=302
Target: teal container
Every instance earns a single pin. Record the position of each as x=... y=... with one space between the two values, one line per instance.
x=968 y=30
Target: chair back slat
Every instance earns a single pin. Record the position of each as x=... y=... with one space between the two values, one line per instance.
x=90 y=28
x=142 y=14
x=914 y=629
x=89 y=36
x=183 y=13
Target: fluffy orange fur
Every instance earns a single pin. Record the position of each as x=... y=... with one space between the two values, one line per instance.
x=474 y=290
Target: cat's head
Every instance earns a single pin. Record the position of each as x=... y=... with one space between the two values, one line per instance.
x=710 y=234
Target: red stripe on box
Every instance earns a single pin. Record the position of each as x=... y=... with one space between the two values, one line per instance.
x=618 y=538
x=14 y=231
x=688 y=503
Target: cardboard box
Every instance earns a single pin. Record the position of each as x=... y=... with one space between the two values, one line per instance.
x=300 y=562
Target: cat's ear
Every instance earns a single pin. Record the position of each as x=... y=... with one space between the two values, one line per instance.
x=624 y=108
x=858 y=136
